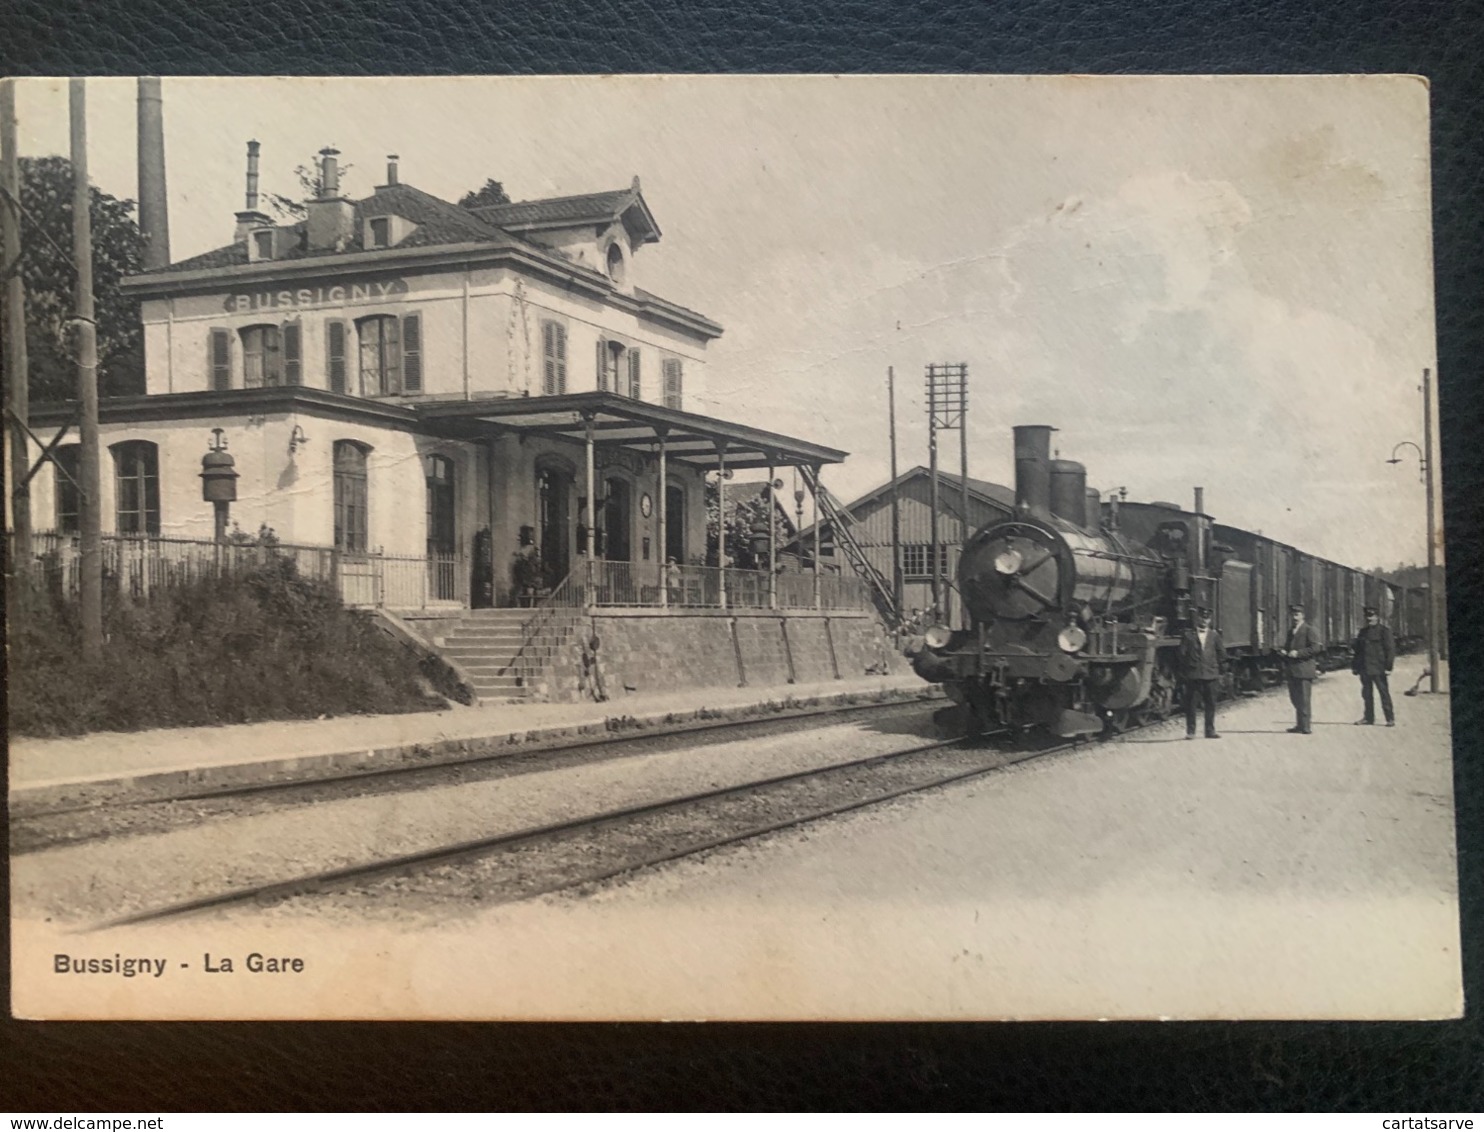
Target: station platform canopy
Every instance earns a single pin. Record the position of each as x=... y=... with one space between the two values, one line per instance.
x=610 y=420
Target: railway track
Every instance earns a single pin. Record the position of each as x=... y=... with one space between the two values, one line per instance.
x=593 y=848
x=80 y=823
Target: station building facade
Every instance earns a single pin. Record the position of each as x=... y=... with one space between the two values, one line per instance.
x=483 y=394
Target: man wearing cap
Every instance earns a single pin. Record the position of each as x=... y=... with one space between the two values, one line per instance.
x=1374 y=653
x=1202 y=663
x=1302 y=646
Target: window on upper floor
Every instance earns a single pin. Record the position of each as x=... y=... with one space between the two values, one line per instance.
x=612 y=366
x=390 y=355
x=68 y=475
x=262 y=244
x=674 y=378
x=553 y=358
x=381 y=231
x=136 y=469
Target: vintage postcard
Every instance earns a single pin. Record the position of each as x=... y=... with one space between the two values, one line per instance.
x=695 y=547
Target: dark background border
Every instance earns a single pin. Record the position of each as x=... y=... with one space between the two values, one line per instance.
x=60 y=1067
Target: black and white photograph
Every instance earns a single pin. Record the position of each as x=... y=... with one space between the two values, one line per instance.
x=725 y=547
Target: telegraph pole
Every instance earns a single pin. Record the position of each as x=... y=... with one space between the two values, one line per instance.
x=90 y=519
x=896 y=503
x=947 y=390
x=17 y=370
x=1432 y=540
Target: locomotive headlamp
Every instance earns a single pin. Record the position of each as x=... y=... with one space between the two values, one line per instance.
x=1071 y=639
x=1008 y=562
x=938 y=636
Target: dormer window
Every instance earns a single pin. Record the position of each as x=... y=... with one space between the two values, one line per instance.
x=262 y=244
x=385 y=231
x=617 y=266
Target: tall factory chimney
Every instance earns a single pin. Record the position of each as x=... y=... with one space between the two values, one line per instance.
x=154 y=219
x=1033 y=468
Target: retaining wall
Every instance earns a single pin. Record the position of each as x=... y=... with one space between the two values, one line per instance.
x=647 y=651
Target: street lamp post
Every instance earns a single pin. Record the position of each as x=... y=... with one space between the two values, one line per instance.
x=1425 y=462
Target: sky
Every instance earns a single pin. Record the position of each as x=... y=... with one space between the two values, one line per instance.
x=1223 y=282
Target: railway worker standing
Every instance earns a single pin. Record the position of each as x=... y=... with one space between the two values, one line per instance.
x=1202 y=664
x=1375 y=651
x=1302 y=647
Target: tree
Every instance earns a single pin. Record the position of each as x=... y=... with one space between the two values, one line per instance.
x=311 y=185
x=492 y=193
x=51 y=282
x=747 y=514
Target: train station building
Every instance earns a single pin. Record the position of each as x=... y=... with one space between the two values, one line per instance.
x=473 y=420
x=467 y=404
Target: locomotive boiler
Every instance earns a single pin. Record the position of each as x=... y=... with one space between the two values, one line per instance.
x=1070 y=616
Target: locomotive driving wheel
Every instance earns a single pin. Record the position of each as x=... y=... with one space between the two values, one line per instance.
x=1161 y=701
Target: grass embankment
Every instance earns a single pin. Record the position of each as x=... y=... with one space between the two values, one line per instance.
x=264 y=644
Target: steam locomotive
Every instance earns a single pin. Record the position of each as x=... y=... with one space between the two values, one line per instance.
x=1075 y=606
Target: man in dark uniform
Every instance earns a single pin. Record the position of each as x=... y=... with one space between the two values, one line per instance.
x=1202 y=663
x=1302 y=647
x=1375 y=651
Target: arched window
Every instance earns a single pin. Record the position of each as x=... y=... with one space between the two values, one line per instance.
x=674 y=522
x=391 y=355
x=68 y=475
x=136 y=469
x=616 y=519
x=262 y=357
x=381 y=355
x=351 y=498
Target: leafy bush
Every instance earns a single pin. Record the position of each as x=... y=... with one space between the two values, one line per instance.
x=261 y=644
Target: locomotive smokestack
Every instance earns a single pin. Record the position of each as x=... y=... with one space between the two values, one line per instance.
x=154 y=220
x=1033 y=468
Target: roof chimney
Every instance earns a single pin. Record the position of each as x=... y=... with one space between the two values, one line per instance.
x=330 y=223
x=252 y=176
x=250 y=218
x=391 y=169
x=154 y=220
x=329 y=172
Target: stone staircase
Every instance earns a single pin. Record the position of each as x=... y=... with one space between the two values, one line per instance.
x=504 y=661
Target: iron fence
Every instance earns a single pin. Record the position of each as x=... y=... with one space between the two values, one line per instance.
x=136 y=565
x=708 y=587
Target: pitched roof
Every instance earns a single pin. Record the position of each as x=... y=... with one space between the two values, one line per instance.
x=441 y=222
x=572 y=211
x=986 y=491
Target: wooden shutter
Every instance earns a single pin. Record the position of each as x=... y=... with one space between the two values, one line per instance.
x=293 y=354
x=635 y=388
x=412 y=353
x=602 y=365
x=672 y=383
x=219 y=358
x=391 y=354
x=335 y=355
x=554 y=358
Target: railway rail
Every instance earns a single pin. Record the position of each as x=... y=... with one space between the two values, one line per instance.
x=78 y=823
x=593 y=848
